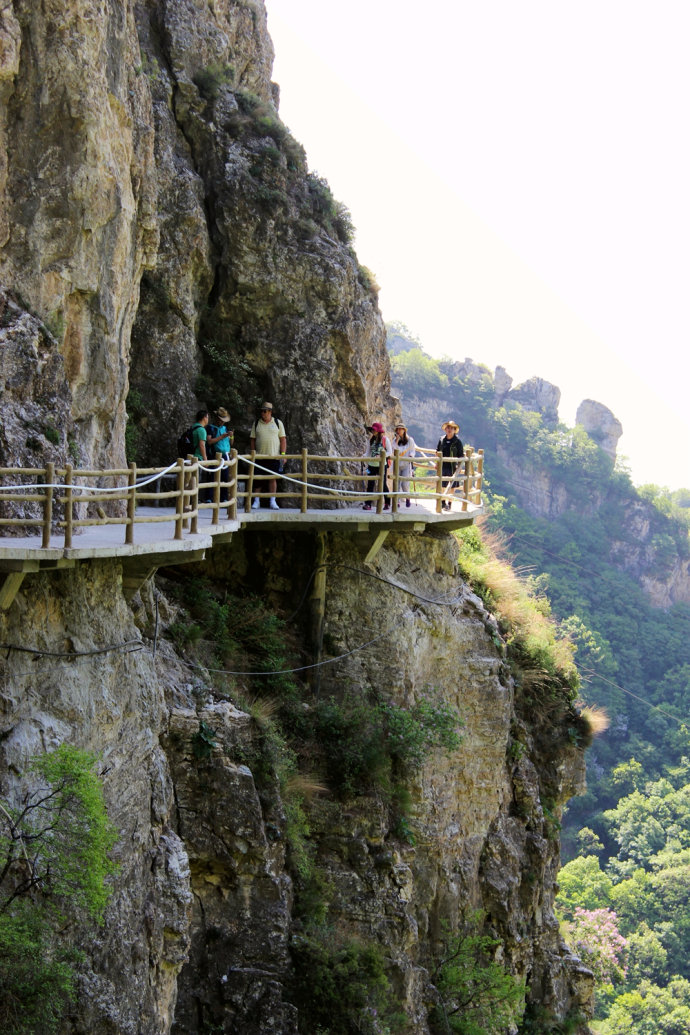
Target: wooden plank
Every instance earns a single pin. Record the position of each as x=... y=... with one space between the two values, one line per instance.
x=10 y=588
x=376 y=545
x=10 y=564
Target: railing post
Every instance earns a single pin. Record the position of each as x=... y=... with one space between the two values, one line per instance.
x=439 y=481
x=179 y=502
x=305 y=490
x=234 y=485
x=480 y=476
x=131 y=504
x=215 y=513
x=68 y=505
x=396 y=479
x=469 y=470
x=48 y=505
x=382 y=475
x=250 y=481
x=194 y=499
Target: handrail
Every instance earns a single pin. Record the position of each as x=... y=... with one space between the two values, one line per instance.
x=62 y=500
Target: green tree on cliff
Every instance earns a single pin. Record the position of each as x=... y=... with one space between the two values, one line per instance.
x=54 y=864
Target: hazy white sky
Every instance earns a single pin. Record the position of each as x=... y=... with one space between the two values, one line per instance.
x=519 y=177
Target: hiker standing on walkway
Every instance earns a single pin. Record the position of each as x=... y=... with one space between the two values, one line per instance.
x=451 y=447
x=222 y=443
x=199 y=438
x=406 y=447
x=199 y=434
x=378 y=453
x=267 y=437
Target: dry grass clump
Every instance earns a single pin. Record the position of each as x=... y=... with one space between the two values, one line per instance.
x=263 y=710
x=596 y=718
x=304 y=786
x=523 y=615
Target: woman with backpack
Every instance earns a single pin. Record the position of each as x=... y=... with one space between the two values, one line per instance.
x=378 y=453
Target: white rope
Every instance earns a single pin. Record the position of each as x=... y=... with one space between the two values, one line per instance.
x=325 y=488
x=77 y=490
x=212 y=465
x=342 y=492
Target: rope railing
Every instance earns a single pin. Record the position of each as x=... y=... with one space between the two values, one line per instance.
x=57 y=501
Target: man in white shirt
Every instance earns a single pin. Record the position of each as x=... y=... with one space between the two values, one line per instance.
x=267 y=437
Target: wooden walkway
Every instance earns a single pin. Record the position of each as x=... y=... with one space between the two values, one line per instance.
x=152 y=518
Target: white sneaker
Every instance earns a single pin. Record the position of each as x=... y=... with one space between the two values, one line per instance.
x=272 y=504
x=255 y=504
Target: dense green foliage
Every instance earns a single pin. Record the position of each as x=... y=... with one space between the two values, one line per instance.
x=54 y=866
x=476 y=996
x=341 y=987
x=36 y=975
x=628 y=837
x=645 y=887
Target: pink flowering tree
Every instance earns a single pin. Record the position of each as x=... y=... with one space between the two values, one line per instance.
x=594 y=935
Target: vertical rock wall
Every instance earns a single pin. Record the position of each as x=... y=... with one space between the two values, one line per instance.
x=79 y=197
x=112 y=705
x=160 y=221
x=200 y=929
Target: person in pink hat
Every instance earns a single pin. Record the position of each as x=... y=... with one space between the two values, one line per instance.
x=378 y=453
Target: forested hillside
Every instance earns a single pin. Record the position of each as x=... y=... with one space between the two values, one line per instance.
x=601 y=556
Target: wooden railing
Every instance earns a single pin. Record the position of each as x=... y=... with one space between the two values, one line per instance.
x=29 y=496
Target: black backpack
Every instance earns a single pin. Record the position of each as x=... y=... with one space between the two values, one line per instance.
x=185 y=443
x=212 y=432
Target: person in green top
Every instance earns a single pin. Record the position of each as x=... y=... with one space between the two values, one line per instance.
x=199 y=434
x=199 y=437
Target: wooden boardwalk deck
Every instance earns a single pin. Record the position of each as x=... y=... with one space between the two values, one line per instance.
x=64 y=511
x=107 y=540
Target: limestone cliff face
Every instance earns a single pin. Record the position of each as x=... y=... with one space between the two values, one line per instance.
x=163 y=242
x=201 y=929
x=36 y=423
x=113 y=705
x=78 y=205
x=478 y=816
x=642 y=549
x=161 y=222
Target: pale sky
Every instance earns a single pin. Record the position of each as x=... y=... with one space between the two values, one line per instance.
x=519 y=178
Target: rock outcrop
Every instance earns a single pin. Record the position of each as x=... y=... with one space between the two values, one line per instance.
x=600 y=424
x=642 y=541
x=36 y=423
x=539 y=396
x=503 y=382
